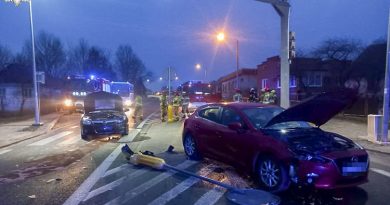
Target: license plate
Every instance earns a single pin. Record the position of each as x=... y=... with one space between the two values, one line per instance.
x=354 y=167
x=107 y=128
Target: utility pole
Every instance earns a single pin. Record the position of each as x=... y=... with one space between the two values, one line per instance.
x=169 y=83
x=282 y=7
x=385 y=120
x=237 y=65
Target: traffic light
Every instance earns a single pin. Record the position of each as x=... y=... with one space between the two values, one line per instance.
x=291 y=45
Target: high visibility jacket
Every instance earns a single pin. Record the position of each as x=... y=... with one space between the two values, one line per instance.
x=177 y=101
x=237 y=97
x=186 y=101
x=138 y=101
x=163 y=100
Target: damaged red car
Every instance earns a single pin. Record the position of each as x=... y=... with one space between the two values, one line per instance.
x=279 y=147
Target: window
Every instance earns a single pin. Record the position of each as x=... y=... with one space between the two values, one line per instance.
x=210 y=113
x=27 y=92
x=230 y=116
x=293 y=82
x=2 y=92
x=264 y=83
x=312 y=79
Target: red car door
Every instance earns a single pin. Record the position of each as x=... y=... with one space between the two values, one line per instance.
x=207 y=127
x=237 y=146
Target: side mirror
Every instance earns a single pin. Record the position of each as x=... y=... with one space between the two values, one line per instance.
x=235 y=126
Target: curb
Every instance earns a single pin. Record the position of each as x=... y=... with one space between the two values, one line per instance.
x=50 y=127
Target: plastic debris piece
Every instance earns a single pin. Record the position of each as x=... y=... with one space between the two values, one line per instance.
x=32 y=196
x=84 y=167
x=50 y=180
x=146 y=152
x=58 y=179
x=170 y=148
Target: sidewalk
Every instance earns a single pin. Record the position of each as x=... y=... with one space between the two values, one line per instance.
x=355 y=130
x=15 y=132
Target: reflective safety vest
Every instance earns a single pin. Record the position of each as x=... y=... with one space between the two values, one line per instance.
x=177 y=101
x=138 y=101
x=237 y=97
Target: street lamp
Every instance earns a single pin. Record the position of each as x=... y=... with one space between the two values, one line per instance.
x=221 y=37
x=198 y=66
x=36 y=98
x=161 y=78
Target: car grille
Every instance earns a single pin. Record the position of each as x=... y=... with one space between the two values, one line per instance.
x=352 y=166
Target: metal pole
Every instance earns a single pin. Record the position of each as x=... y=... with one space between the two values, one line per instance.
x=237 y=65
x=169 y=83
x=385 y=121
x=284 y=64
x=205 y=75
x=36 y=96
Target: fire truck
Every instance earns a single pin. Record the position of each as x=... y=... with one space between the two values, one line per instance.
x=77 y=87
x=125 y=90
x=199 y=93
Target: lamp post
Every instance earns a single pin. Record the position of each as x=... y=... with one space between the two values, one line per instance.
x=36 y=94
x=221 y=37
x=386 y=95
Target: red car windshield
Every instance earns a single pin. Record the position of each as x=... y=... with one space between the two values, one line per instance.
x=260 y=116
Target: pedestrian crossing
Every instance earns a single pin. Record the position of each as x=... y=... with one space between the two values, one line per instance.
x=129 y=184
x=51 y=139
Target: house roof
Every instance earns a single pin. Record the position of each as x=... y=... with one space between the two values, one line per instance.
x=241 y=72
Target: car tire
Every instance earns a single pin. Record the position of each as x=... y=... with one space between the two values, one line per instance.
x=85 y=137
x=126 y=132
x=272 y=175
x=190 y=147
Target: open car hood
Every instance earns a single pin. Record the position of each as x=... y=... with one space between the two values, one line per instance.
x=317 y=109
x=102 y=101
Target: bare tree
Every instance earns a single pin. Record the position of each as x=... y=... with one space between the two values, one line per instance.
x=50 y=54
x=131 y=68
x=78 y=57
x=338 y=49
x=5 y=57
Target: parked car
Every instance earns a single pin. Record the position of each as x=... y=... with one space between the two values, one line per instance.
x=103 y=115
x=279 y=147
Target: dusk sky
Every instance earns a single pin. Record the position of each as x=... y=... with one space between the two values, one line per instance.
x=180 y=33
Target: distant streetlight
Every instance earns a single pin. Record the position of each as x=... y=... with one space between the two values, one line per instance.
x=36 y=98
x=147 y=80
x=198 y=66
x=176 y=78
x=161 y=78
x=221 y=37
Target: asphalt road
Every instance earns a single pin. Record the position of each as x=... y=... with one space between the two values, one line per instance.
x=61 y=168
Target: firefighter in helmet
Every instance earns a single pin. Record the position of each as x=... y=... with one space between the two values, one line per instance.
x=138 y=110
x=184 y=106
x=253 y=95
x=237 y=97
x=177 y=101
x=163 y=105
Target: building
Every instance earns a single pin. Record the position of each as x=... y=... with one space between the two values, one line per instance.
x=247 y=80
x=308 y=76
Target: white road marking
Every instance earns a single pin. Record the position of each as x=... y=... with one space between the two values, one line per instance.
x=211 y=197
x=116 y=169
x=74 y=127
x=104 y=188
x=69 y=141
x=175 y=191
x=147 y=185
x=5 y=151
x=51 y=138
x=380 y=171
x=87 y=185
